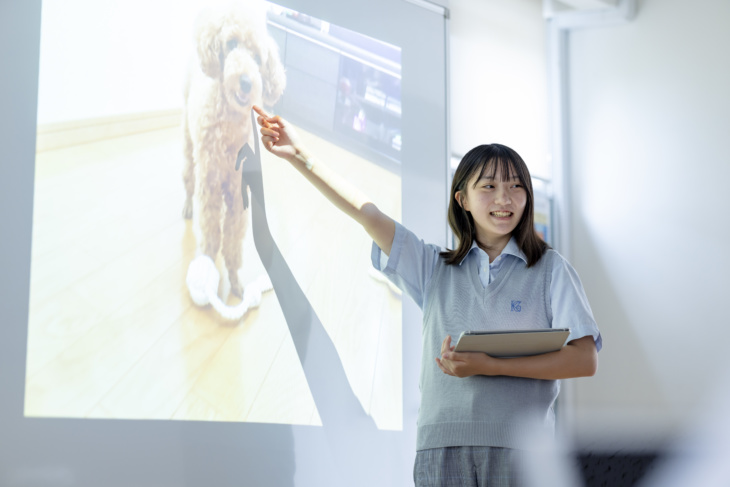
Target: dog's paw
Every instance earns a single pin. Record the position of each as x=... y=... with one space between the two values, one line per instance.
x=187 y=211
x=237 y=289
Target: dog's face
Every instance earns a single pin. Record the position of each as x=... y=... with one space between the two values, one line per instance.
x=235 y=49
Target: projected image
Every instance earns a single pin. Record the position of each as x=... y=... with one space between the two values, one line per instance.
x=149 y=299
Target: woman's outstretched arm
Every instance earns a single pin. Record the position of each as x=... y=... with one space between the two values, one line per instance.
x=281 y=140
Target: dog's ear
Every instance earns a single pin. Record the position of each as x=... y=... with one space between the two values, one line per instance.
x=210 y=47
x=274 y=78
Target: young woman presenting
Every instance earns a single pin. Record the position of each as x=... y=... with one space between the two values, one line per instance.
x=476 y=410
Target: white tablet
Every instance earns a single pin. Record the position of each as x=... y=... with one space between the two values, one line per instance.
x=513 y=343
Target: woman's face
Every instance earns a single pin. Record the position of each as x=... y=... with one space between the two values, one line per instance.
x=496 y=206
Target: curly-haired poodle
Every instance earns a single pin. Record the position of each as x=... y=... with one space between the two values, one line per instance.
x=237 y=66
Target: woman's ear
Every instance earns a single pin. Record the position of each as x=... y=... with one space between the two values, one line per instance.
x=461 y=200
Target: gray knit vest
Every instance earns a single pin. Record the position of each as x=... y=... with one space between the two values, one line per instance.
x=480 y=410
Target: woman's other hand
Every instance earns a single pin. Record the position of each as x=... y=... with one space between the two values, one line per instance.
x=464 y=364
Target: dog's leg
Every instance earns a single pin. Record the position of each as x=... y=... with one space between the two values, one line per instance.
x=188 y=171
x=208 y=206
x=235 y=222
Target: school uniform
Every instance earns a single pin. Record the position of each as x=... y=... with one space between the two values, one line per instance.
x=490 y=415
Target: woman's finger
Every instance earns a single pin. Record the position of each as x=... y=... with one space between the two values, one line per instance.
x=453 y=356
x=269 y=132
x=443 y=368
x=268 y=141
x=261 y=112
x=445 y=345
x=266 y=120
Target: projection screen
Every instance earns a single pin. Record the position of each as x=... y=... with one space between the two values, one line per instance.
x=288 y=360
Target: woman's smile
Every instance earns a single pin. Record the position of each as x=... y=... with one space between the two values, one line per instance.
x=501 y=215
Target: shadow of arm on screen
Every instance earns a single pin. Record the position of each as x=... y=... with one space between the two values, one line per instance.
x=338 y=407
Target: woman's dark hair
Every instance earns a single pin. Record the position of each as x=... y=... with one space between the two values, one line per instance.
x=486 y=160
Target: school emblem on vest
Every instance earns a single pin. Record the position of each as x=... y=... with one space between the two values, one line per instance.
x=516 y=306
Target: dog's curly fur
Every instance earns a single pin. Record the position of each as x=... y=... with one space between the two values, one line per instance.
x=237 y=66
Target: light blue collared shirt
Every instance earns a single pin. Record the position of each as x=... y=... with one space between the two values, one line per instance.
x=568 y=300
x=489 y=271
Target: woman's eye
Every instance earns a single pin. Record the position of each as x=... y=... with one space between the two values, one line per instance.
x=231 y=45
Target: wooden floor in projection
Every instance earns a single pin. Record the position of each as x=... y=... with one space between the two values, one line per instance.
x=113 y=332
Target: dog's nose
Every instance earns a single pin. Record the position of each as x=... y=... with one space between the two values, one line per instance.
x=245 y=83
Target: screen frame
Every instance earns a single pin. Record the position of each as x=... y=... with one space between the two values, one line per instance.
x=86 y=452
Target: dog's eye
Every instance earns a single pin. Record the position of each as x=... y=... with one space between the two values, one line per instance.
x=231 y=45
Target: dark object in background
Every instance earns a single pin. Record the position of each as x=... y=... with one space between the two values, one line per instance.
x=615 y=469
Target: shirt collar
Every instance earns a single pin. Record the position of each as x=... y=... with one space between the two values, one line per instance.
x=510 y=249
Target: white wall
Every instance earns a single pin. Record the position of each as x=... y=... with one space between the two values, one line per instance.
x=141 y=62
x=650 y=123
x=498 y=82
